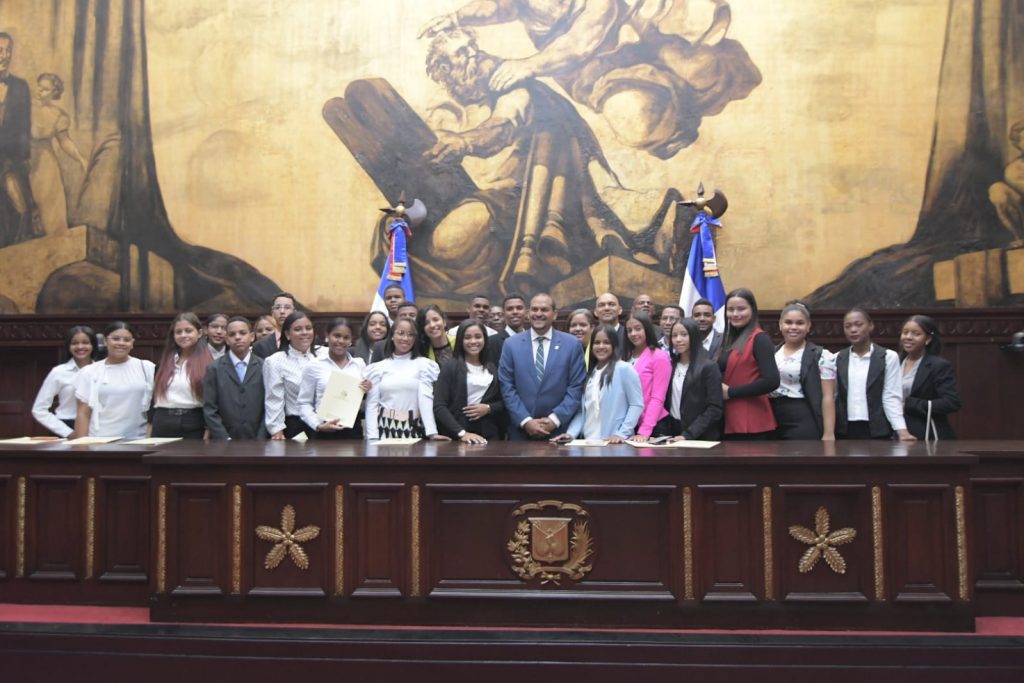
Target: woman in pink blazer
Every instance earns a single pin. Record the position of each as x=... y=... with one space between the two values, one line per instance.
x=653 y=365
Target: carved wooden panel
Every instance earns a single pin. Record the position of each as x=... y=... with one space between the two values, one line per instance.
x=303 y=569
x=921 y=543
x=998 y=506
x=54 y=528
x=123 y=548
x=727 y=534
x=198 y=539
x=846 y=507
x=382 y=538
x=7 y=530
x=470 y=527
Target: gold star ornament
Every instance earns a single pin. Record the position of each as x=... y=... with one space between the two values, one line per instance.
x=822 y=543
x=286 y=540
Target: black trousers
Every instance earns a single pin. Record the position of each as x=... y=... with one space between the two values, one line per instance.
x=861 y=429
x=796 y=421
x=171 y=422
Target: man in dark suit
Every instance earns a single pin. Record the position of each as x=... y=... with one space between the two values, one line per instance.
x=541 y=375
x=703 y=313
x=670 y=315
x=233 y=393
x=282 y=307
x=19 y=217
x=607 y=311
x=514 y=308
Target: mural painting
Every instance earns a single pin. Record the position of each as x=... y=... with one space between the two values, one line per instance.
x=162 y=156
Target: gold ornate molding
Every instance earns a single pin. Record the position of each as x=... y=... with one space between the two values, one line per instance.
x=822 y=543
x=236 y=539
x=161 y=539
x=415 y=533
x=688 y=593
x=961 y=544
x=287 y=540
x=90 y=526
x=769 y=563
x=537 y=543
x=339 y=545
x=877 y=542
x=20 y=541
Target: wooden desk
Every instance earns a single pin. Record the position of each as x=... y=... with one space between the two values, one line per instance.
x=443 y=533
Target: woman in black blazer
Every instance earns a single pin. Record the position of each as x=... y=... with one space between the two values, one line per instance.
x=928 y=379
x=467 y=401
x=694 y=397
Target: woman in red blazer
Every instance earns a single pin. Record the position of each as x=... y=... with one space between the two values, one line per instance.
x=749 y=371
x=653 y=365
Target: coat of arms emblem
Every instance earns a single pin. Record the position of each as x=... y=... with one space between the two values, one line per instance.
x=551 y=547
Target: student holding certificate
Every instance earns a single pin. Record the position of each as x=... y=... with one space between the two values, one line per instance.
x=317 y=383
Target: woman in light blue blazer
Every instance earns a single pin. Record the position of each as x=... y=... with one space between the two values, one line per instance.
x=612 y=396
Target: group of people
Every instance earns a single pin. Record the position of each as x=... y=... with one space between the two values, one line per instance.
x=663 y=374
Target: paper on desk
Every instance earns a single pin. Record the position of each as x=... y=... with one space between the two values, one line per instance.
x=300 y=437
x=152 y=441
x=587 y=442
x=86 y=440
x=686 y=443
x=31 y=440
x=341 y=399
x=395 y=442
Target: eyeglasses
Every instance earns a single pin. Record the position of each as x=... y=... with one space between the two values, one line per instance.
x=404 y=335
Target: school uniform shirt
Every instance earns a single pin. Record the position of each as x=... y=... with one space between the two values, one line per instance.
x=118 y=395
x=179 y=394
x=402 y=384
x=892 y=389
x=789 y=371
x=59 y=384
x=214 y=353
x=314 y=383
x=282 y=374
x=678 y=382
x=592 y=408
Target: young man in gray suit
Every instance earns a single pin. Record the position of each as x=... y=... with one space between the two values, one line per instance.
x=233 y=389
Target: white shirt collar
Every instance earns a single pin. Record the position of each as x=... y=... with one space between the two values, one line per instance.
x=235 y=360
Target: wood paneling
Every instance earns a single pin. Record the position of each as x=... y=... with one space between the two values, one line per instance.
x=198 y=539
x=382 y=539
x=921 y=549
x=123 y=546
x=728 y=532
x=55 y=528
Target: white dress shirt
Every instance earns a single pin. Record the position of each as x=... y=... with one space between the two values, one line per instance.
x=592 y=408
x=282 y=374
x=314 y=383
x=478 y=381
x=678 y=380
x=179 y=392
x=59 y=384
x=892 y=389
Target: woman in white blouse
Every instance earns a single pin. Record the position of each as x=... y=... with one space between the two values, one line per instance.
x=316 y=375
x=612 y=396
x=467 y=401
x=178 y=387
x=59 y=384
x=400 y=403
x=282 y=376
x=114 y=394
x=804 y=404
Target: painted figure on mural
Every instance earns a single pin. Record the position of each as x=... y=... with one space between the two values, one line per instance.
x=636 y=62
x=19 y=218
x=1007 y=195
x=50 y=126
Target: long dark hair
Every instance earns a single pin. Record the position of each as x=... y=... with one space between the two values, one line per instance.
x=697 y=354
x=650 y=334
x=933 y=347
x=286 y=325
x=198 y=360
x=459 y=352
x=421 y=324
x=737 y=337
x=389 y=344
x=88 y=332
x=609 y=369
x=366 y=325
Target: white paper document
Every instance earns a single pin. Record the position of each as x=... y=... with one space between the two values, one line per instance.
x=675 y=444
x=394 y=442
x=86 y=440
x=31 y=440
x=586 y=442
x=341 y=399
x=152 y=441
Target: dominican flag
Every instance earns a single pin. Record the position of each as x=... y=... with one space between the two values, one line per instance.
x=396 y=268
x=702 y=279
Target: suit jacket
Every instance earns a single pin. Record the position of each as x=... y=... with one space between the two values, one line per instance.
x=877 y=421
x=716 y=344
x=621 y=404
x=234 y=409
x=451 y=396
x=933 y=382
x=655 y=370
x=562 y=384
x=700 y=410
x=15 y=129
x=266 y=347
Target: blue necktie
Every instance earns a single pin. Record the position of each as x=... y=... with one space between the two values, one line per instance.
x=538 y=361
x=240 y=368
